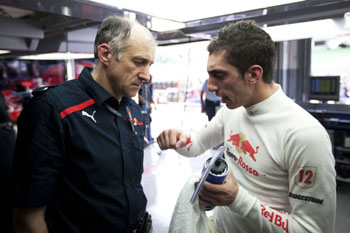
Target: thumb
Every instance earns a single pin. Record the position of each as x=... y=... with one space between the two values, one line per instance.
x=183 y=140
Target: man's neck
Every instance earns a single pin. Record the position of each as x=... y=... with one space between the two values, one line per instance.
x=262 y=92
x=268 y=90
x=99 y=75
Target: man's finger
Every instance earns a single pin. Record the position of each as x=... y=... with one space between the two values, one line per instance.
x=183 y=140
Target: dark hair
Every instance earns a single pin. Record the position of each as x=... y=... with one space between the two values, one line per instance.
x=114 y=31
x=246 y=44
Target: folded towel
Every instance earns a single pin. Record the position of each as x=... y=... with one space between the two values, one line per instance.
x=188 y=218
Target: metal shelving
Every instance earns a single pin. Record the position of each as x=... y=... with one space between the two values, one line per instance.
x=338 y=126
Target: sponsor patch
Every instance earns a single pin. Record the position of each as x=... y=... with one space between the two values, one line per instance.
x=306 y=177
x=242 y=145
x=306 y=198
x=275 y=218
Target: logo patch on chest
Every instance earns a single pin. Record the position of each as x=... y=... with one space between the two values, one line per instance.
x=242 y=145
x=88 y=115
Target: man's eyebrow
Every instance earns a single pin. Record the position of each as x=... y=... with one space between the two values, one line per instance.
x=139 y=58
x=216 y=71
x=144 y=59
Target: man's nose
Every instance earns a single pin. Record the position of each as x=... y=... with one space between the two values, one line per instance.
x=144 y=75
x=211 y=86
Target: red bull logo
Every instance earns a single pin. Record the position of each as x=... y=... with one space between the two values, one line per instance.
x=243 y=145
x=275 y=218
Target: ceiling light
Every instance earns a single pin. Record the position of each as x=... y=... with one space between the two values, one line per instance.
x=347 y=20
x=311 y=29
x=58 y=56
x=4 y=51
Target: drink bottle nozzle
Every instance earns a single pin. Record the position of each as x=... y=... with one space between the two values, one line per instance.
x=218 y=156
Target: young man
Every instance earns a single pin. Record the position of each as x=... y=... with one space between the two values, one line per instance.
x=79 y=153
x=282 y=176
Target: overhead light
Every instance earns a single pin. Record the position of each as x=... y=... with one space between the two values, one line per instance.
x=162 y=25
x=314 y=101
x=330 y=102
x=4 y=51
x=67 y=11
x=58 y=56
x=347 y=20
x=203 y=35
x=130 y=15
x=311 y=29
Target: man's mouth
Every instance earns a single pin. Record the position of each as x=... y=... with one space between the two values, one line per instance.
x=224 y=99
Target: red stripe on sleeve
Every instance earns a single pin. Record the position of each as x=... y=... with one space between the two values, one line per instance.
x=75 y=108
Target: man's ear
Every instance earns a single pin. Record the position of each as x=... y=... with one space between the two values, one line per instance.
x=255 y=73
x=103 y=52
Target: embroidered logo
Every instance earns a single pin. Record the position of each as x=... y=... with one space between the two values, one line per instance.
x=243 y=145
x=306 y=177
x=276 y=217
x=88 y=115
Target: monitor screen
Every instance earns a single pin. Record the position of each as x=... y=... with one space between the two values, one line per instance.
x=324 y=88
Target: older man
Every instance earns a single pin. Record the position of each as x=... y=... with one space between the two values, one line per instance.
x=79 y=155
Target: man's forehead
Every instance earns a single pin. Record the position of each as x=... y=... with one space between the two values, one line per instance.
x=217 y=59
x=140 y=50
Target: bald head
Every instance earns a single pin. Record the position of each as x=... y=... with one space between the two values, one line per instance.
x=118 y=32
x=140 y=33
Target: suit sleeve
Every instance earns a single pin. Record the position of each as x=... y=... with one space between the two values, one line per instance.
x=39 y=153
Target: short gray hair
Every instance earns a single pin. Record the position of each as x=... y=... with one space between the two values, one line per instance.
x=114 y=31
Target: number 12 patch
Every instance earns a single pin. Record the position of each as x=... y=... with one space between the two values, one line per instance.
x=306 y=177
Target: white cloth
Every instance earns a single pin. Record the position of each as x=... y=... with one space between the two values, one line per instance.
x=188 y=218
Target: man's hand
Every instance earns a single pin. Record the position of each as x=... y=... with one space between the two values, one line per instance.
x=29 y=220
x=172 y=139
x=219 y=194
x=203 y=109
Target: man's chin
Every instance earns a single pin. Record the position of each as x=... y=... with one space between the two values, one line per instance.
x=132 y=94
x=232 y=106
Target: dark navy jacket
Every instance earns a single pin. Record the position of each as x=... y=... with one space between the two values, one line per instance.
x=81 y=160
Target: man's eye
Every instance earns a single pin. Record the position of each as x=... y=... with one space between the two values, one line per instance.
x=219 y=75
x=139 y=62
